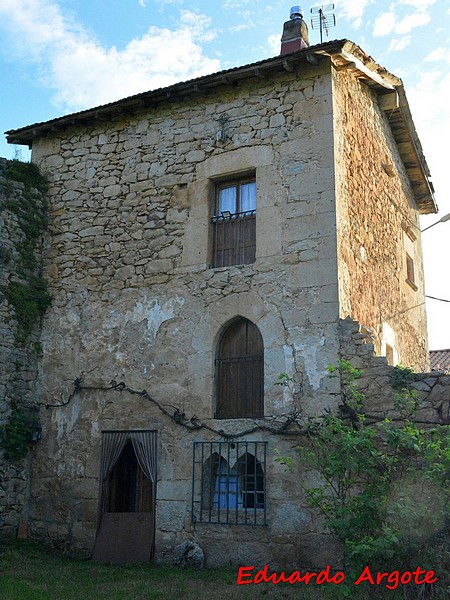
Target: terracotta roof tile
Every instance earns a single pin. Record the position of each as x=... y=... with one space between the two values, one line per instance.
x=440 y=360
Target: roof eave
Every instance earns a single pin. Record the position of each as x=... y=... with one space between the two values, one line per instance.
x=26 y=135
x=403 y=129
x=343 y=53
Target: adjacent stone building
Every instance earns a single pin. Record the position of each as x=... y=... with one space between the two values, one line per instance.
x=23 y=300
x=204 y=239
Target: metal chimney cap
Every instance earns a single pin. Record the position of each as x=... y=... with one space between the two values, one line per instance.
x=296 y=12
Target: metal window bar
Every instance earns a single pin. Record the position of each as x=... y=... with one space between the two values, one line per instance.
x=235 y=482
x=234 y=239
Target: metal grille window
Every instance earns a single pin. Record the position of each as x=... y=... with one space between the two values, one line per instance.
x=234 y=223
x=229 y=483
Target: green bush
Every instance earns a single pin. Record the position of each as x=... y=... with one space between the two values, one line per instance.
x=27 y=292
x=17 y=435
x=385 y=488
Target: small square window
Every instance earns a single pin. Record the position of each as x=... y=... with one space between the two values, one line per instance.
x=410 y=272
x=234 y=222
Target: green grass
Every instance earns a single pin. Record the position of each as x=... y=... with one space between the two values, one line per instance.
x=27 y=572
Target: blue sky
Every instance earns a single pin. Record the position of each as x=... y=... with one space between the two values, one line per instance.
x=61 y=56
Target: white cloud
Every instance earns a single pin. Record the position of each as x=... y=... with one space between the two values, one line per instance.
x=398 y=44
x=235 y=3
x=241 y=27
x=387 y=23
x=419 y=4
x=411 y=21
x=83 y=73
x=245 y=21
x=384 y=24
x=274 y=44
x=352 y=10
x=438 y=54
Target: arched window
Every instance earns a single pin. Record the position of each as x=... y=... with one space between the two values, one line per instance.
x=240 y=372
x=213 y=467
x=252 y=484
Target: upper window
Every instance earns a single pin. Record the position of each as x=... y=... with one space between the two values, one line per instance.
x=409 y=238
x=240 y=372
x=234 y=223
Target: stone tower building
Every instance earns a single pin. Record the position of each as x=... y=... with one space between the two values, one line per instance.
x=204 y=239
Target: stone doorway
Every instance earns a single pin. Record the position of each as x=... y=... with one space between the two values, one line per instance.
x=126 y=530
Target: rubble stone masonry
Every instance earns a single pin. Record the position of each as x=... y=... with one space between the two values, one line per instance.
x=18 y=356
x=134 y=298
x=378 y=227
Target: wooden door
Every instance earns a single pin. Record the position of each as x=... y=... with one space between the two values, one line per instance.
x=240 y=372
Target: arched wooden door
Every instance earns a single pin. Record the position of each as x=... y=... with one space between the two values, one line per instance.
x=240 y=372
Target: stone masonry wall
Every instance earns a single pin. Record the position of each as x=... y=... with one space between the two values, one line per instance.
x=18 y=356
x=432 y=389
x=135 y=300
x=378 y=224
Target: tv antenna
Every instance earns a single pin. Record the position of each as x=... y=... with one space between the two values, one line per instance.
x=322 y=20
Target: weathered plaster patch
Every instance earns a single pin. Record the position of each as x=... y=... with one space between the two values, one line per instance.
x=157 y=314
x=153 y=312
x=308 y=352
x=290 y=370
x=64 y=422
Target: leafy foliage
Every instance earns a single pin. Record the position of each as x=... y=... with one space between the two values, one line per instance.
x=17 y=435
x=401 y=377
x=348 y=374
x=30 y=301
x=27 y=295
x=384 y=490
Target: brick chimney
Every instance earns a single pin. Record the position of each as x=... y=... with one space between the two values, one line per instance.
x=295 y=32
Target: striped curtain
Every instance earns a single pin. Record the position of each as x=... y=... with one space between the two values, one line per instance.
x=113 y=443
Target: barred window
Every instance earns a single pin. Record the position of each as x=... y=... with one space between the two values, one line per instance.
x=229 y=483
x=234 y=223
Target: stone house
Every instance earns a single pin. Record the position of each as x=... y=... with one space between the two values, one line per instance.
x=204 y=239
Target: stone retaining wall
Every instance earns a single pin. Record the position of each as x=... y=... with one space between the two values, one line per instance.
x=376 y=382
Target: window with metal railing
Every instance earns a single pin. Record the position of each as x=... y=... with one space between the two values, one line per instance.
x=229 y=483
x=234 y=223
